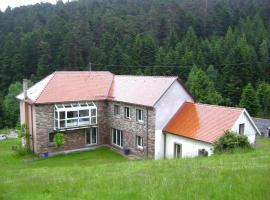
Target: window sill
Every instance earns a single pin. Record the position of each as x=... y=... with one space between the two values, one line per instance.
x=140 y=122
x=51 y=145
x=140 y=148
x=119 y=147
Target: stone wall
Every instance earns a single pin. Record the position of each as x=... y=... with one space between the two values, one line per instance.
x=131 y=128
x=74 y=139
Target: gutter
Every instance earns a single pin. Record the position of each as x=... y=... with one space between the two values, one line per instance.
x=147 y=132
x=32 y=129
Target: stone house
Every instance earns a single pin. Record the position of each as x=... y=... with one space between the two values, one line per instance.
x=139 y=113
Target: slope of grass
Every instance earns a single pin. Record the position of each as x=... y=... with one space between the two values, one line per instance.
x=103 y=174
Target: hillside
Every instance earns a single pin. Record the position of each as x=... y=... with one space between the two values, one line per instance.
x=229 y=40
x=103 y=174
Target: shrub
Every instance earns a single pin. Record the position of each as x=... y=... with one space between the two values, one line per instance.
x=231 y=141
x=59 y=139
x=20 y=150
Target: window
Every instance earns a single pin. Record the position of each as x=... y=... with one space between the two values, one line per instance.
x=75 y=115
x=139 y=141
x=51 y=137
x=127 y=112
x=202 y=152
x=91 y=135
x=117 y=137
x=116 y=110
x=177 y=150
x=241 y=128
x=139 y=115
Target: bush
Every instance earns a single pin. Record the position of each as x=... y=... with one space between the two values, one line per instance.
x=20 y=150
x=231 y=141
x=59 y=139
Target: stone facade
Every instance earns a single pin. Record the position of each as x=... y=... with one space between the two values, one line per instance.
x=73 y=139
x=76 y=139
x=131 y=128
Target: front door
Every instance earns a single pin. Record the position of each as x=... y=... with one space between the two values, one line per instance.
x=177 y=150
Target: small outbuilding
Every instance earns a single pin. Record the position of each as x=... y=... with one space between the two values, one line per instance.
x=194 y=128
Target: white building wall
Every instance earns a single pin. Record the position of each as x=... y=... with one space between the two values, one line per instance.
x=250 y=131
x=190 y=147
x=165 y=109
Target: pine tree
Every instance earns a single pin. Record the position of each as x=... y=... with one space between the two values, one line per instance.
x=11 y=105
x=263 y=95
x=202 y=87
x=249 y=100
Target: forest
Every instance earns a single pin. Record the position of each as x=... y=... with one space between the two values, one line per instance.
x=219 y=48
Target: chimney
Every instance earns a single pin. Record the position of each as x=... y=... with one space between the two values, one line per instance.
x=25 y=87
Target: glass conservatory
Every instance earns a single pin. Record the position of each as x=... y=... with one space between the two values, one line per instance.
x=74 y=115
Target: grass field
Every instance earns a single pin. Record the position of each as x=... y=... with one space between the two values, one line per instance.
x=103 y=174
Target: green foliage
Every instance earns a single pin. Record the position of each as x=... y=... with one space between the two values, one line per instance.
x=11 y=105
x=249 y=100
x=59 y=139
x=231 y=141
x=69 y=36
x=263 y=95
x=202 y=87
x=243 y=174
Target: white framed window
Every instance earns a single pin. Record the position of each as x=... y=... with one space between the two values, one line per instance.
x=116 y=110
x=139 y=141
x=241 y=128
x=177 y=150
x=139 y=115
x=117 y=137
x=91 y=135
x=127 y=112
x=74 y=115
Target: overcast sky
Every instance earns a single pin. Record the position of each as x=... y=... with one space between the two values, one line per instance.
x=16 y=3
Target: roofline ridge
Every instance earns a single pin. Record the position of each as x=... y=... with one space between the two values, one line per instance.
x=147 y=76
x=220 y=106
x=53 y=75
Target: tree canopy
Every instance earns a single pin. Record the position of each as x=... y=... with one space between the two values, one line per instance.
x=153 y=37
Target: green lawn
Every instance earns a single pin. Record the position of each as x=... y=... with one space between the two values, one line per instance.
x=103 y=174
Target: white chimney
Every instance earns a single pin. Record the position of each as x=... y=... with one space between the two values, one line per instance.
x=25 y=87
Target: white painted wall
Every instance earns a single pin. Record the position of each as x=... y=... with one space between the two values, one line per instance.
x=250 y=131
x=190 y=147
x=165 y=109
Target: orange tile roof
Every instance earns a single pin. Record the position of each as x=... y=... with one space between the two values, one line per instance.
x=202 y=122
x=72 y=86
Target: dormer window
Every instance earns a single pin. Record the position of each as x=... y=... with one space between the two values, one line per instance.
x=75 y=115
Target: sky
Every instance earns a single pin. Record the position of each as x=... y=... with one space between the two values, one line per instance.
x=16 y=3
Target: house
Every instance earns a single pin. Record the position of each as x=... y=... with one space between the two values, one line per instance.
x=152 y=116
x=263 y=125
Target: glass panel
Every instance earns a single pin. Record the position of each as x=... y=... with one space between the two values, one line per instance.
x=121 y=138
x=56 y=123
x=84 y=113
x=72 y=114
x=56 y=115
x=118 y=138
x=75 y=105
x=83 y=104
x=84 y=121
x=62 y=124
x=114 y=136
x=116 y=110
x=93 y=120
x=94 y=135
x=88 y=136
x=93 y=112
x=72 y=122
x=62 y=115
x=51 y=137
x=67 y=106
